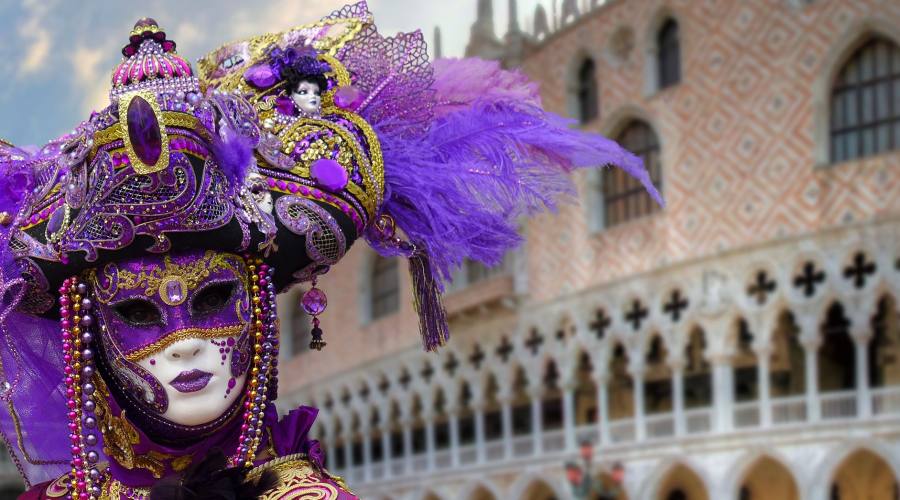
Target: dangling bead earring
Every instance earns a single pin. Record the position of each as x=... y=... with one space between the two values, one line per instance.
x=314 y=303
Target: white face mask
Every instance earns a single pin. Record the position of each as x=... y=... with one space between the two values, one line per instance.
x=308 y=97
x=197 y=378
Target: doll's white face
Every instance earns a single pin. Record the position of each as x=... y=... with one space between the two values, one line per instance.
x=308 y=97
x=198 y=381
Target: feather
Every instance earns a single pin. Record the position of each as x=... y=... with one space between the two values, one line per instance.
x=480 y=168
x=234 y=154
x=460 y=82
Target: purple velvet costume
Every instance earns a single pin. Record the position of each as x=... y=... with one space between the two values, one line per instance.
x=175 y=216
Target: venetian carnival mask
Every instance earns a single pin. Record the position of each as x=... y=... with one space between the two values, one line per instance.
x=308 y=98
x=175 y=331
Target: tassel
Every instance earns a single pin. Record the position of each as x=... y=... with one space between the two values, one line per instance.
x=432 y=316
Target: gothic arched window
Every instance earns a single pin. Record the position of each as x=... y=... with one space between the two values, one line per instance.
x=385 y=290
x=668 y=54
x=865 y=102
x=586 y=93
x=624 y=198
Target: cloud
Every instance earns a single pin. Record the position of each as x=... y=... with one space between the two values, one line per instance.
x=90 y=71
x=35 y=36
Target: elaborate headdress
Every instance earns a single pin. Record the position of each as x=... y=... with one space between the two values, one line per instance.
x=432 y=162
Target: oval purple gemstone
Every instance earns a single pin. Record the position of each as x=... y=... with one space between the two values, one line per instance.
x=143 y=131
x=314 y=301
x=329 y=174
x=56 y=221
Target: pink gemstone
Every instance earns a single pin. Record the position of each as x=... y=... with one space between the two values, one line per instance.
x=314 y=301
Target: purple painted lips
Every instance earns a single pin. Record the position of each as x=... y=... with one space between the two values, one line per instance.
x=191 y=381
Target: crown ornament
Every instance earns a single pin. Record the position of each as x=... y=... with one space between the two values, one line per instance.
x=150 y=63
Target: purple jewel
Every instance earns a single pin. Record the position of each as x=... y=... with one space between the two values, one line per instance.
x=174 y=292
x=56 y=221
x=314 y=301
x=329 y=174
x=348 y=97
x=143 y=131
x=260 y=76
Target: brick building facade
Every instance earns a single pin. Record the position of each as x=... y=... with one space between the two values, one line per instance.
x=741 y=342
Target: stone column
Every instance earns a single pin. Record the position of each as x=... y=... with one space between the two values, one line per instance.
x=454 y=436
x=677 y=367
x=862 y=335
x=367 y=452
x=723 y=392
x=506 y=414
x=807 y=320
x=568 y=389
x=386 y=450
x=479 y=432
x=603 y=409
x=640 y=428
x=429 y=440
x=407 y=447
x=348 y=457
x=763 y=360
x=537 y=424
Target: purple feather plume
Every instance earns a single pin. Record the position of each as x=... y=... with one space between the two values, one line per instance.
x=234 y=153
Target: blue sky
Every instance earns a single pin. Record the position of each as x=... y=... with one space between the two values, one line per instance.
x=57 y=55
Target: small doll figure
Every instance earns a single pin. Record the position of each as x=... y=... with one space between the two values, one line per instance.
x=299 y=76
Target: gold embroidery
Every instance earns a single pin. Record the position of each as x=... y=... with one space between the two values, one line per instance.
x=166 y=119
x=181 y=463
x=120 y=436
x=58 y=488
x=299 y=480
x=19 y=440
x=191 y=274
x=179 y=335
x=114 y=490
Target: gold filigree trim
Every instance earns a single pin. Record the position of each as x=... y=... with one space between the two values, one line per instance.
x=179 y=335
x=167 y=119
x=191 y=274
x=139 y=166
x=299 y=480
x=20 y=441
x=120 y=436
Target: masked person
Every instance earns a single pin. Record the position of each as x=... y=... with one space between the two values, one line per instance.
x=141 y=254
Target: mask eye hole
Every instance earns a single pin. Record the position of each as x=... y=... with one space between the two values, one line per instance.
x=213 y=298
x=139 y=312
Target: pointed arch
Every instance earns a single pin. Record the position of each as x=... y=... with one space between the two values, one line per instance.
x=766 y=477
x=681 y=483
x=621 y=384
x=697 y=371
x=863 y=474
x=837 y=354
x=846 y=45
x=657 y=376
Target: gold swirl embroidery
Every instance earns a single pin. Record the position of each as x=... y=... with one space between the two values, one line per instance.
x=179 y=335
x=299 y=480
x=191 y=274
x=120 y=436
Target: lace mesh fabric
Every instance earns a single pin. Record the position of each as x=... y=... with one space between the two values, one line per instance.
x=324 y=240
x=395 y=75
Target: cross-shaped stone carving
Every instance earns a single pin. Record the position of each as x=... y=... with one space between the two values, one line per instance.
x=637 y=314
x=534 y=341
x=505 y=349
x=477 y=357
x=676 y=304
x=405 y=379
x=860 y=270
x=451 y=364
x=809 y=278
x=761 y=287
x=427 y=372
x=600 y=324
